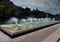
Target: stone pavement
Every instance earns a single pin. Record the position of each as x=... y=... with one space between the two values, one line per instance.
x=53 y=37
x=49 y=34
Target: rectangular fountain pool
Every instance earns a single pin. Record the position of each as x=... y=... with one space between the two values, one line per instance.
x=20 y=29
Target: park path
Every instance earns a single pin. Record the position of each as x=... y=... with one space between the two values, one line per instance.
x=49 y=34
x=53 y=37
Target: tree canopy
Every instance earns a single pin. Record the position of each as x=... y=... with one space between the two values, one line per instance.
x=8 y=9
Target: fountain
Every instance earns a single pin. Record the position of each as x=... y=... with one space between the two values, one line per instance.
x=23 y=21
x=35 y=20
x=26 y=25
x=53 y=19
x=47 y=19
x=42 y=19
x=12 y=20
x=39 y=20
x=30 y=19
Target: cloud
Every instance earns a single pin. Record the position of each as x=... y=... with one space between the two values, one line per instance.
x=51 y=6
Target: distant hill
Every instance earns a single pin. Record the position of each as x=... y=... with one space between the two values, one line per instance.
x=8 y=9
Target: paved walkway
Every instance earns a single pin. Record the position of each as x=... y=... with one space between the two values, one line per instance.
x=53 y=37
x=49 y=34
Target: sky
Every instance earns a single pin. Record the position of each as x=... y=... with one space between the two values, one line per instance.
x=50 y=6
